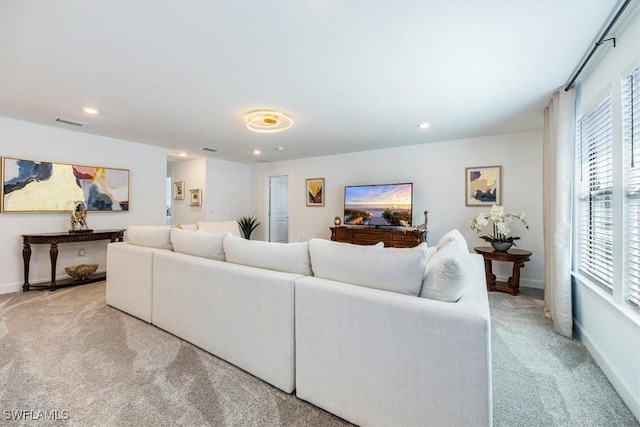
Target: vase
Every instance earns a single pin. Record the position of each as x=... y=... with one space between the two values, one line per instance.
x=501 y=246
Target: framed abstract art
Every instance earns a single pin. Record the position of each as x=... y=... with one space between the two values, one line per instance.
x=483 y=185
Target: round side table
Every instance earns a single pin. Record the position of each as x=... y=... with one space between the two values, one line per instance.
x=517 y=256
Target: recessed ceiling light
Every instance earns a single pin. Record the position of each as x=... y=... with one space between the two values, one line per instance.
x=90 y=110
x=182 y=154
x=423 y=125
x=256 y=152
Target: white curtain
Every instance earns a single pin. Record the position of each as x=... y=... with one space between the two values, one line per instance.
x=557 y=169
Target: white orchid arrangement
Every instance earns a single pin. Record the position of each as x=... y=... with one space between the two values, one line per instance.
x=500 y=220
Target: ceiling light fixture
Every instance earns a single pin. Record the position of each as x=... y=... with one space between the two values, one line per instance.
x=256 y=152
x=423 y=125
x=267 y=121
x=90 y=110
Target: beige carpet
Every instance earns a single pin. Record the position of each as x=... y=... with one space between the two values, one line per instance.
x=67 y=351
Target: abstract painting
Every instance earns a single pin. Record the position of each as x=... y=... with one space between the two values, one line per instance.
x=41 y=186
x=315 y=189
x=483 y=185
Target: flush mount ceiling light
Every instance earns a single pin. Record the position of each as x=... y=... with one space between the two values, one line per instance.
x=267 y=121
x=423 y=125
x=90 y=110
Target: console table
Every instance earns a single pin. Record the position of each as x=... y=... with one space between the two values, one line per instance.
x=517 y=256
x=371 y=236
x=54 y=239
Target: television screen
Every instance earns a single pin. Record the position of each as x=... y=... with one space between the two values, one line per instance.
x=376 y=205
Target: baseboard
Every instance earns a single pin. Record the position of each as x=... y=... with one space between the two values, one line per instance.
x=11 y=288
x=618 y=382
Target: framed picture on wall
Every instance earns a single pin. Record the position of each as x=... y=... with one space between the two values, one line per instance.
x=195 y=197
x=483 y=185
x=315 y=192
x=178 y=190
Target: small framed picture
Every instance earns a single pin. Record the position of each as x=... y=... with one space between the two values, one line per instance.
x=315 y=192
x=178 y=190
x=195 y=197
x=483 y=185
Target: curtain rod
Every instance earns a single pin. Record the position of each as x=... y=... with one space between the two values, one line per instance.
x=598 y=43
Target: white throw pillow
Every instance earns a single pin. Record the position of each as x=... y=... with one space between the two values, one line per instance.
x=219 y=227
x=389 y=269
x=198 y=243
x=452 y=236
x=448 y=274
x=285 y=257
x=152 y=236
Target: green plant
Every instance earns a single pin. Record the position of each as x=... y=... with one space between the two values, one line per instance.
x=247 y=225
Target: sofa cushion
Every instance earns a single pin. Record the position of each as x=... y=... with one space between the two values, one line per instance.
x=452 y=237
x=219 y=227
x=198 y=243
x=152 y=236
x=389 y=269
x=286 y=257
x=448 y=272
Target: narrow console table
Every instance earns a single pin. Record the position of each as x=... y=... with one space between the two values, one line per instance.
x=517 y=256
x=53 y=239
x=371 y=236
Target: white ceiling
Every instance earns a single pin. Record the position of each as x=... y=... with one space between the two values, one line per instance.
x=353 y=75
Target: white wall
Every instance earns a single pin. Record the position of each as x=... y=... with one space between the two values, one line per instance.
x=224 y=185
x=609 y=328
x=147 y=196
x=437 y=171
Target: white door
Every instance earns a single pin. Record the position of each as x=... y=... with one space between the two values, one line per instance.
x=279 y=209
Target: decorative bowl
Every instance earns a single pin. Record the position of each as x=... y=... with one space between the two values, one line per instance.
x=82 y=271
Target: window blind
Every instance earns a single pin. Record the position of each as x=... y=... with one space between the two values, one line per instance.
x=595 y=211
x=631 y=203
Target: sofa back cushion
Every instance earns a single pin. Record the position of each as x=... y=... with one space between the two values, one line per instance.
x=388 y=269
x=198 y=243
x=285 y=257
x=152 y=236
x=219 y=227
x=448 y=269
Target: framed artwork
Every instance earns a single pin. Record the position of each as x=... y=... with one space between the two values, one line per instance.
x=483 y=185
x=178 y=190
x=315 y=192
x=195 y=197
x=30 y=186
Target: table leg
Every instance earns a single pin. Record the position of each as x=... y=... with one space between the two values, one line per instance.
x=514 y=281
x=53 y=253
x=26 y=258
x=490 y=277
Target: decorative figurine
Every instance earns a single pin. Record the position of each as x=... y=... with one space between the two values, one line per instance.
x=78 y=220
x=337 y=221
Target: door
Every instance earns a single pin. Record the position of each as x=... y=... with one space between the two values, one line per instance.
x=279 y=209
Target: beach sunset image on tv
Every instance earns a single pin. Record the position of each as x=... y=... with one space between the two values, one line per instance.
x=388 y=204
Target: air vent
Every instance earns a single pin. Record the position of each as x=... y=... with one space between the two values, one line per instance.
x=71 y=121
x=211 y=150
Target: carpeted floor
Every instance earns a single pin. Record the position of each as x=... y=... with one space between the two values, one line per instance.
x=66 y=354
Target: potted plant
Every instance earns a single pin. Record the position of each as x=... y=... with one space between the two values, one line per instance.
x=498 y=239
x=247 y=225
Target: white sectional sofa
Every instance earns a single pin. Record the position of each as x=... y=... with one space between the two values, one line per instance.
x=377 y=336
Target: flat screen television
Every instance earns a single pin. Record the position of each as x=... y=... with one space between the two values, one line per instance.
x=378 y=205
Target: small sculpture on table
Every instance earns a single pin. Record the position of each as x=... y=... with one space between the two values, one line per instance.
x=78 y=220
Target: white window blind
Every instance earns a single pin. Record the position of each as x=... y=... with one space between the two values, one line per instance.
x=595 y=211
x=631 y=203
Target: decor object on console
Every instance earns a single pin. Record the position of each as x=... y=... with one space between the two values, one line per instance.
x=483 y=185
x=195 y=197
x=496 y=215
x=337 y=221
x=81 y=271
x=247 y=225
x=78 y=220
x=39 y=186
x=315 y=190
x=178 y=190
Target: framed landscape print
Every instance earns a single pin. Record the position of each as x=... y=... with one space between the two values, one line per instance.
x=195 y=197
x=483 y=185
x=315 y=192
x=178 y=190
x=42 y=186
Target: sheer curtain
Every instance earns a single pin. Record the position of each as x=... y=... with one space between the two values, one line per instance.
x=557 y=169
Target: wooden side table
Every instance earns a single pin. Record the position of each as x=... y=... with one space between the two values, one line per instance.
x=517 y=256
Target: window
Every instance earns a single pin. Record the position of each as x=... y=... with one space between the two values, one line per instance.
x=631 y=201
x=594 y=141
